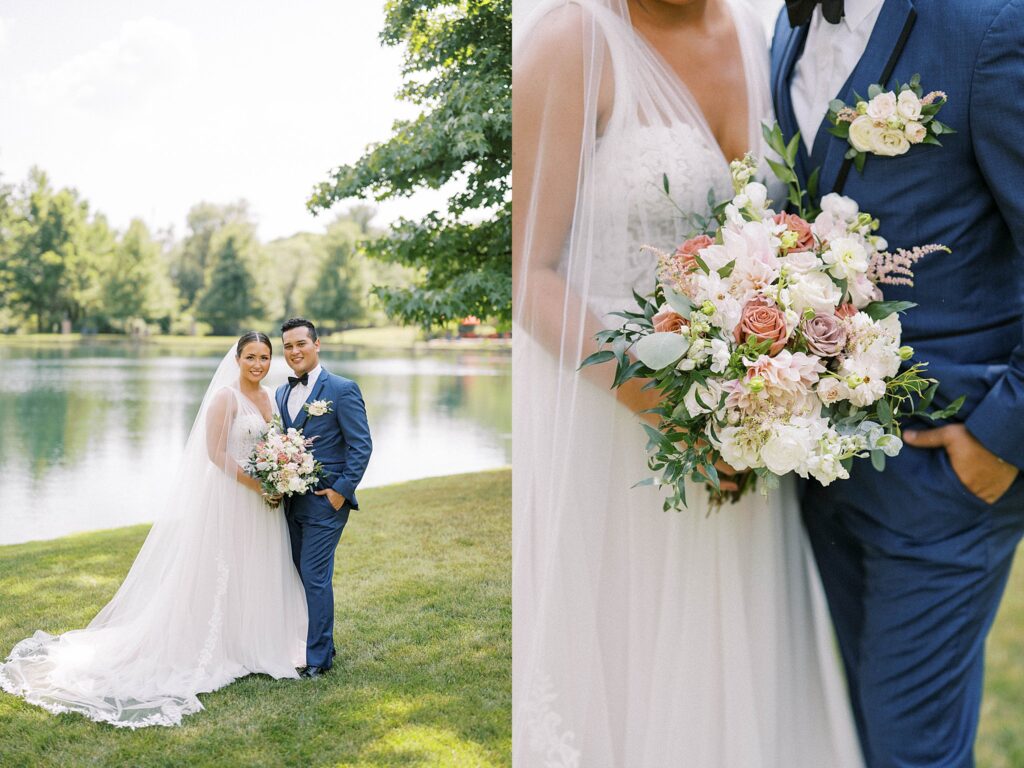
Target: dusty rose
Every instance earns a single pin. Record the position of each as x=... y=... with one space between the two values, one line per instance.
x=825 y=335
x=762 y=319
x=668 y=321
x=846 y=310
x=792 y=222
x=688 y=250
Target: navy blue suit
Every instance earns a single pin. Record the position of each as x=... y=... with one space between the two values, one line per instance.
x=913 y=563
x=342 y=444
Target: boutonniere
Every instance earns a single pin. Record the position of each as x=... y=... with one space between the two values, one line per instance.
x=887 y=123
x=318 y=407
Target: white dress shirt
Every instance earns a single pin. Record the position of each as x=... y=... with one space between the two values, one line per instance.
x=830 y=55
x=300 y=392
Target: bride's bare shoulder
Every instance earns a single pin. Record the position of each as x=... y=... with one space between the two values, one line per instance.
x=550 y=57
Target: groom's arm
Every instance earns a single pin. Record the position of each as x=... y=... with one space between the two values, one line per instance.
x=350 y=412
x=997 y=128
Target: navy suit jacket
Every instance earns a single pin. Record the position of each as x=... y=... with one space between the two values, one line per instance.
x=342 y=438
x=967 y=194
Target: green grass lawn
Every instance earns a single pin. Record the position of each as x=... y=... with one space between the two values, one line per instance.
x=423 y=624
x=1001 y=742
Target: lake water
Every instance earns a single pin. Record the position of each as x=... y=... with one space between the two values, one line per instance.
x=90 y=434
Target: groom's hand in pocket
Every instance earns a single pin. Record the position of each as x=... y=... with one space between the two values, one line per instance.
x=336 y=499
x=982 y=472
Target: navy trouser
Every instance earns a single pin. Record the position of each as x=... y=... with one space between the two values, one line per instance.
x=315 y=530
x=914 y=566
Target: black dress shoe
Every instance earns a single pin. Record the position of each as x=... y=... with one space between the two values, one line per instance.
x=313 y=672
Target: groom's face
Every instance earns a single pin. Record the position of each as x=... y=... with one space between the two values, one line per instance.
x=301 y=352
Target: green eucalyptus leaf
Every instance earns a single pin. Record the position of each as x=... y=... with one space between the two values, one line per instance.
x=659 y=350
x=879 y=310
x=598 y=357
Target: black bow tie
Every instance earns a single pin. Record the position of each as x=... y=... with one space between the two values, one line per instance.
x=303 y=380
x=800 y=11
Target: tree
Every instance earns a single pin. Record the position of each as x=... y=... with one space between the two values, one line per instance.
x=335 y=298
x=134 y=285
x=48 y=271
x=230 y=294
x=190 y=264
x=458 y=65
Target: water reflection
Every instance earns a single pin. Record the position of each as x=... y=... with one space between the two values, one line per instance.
x=90 y=435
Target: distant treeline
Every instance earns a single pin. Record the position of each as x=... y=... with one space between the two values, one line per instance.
x=62 y=267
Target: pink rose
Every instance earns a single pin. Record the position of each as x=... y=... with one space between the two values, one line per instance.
x=846 y=310
x=763 y=320
x=687 y=252
x=667 y=321
x=825 y=334
x=792 y=222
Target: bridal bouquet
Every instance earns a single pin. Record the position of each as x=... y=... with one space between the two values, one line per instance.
x=283 y=463
x=770 y=343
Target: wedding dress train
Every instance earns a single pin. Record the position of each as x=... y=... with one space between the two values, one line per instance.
x=212 y=596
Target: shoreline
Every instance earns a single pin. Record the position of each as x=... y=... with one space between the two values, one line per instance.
x=391 y=338
x=370 y=490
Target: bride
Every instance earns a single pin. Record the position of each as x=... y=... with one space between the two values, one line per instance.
x=642 y=639
x=212 y=596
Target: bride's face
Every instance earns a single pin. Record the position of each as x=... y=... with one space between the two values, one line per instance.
x=254 y=361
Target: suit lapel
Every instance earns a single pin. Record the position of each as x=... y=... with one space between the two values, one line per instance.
x=888 y=38
x=314 y=394
x=783 y=98
x=282 y=405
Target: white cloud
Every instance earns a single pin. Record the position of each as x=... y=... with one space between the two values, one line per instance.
x=146 y=58
x=198 y=101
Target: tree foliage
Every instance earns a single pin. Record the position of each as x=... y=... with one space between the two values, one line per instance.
x=457 y=69
x=134 y=283
x=335 y=298
x=230 y=295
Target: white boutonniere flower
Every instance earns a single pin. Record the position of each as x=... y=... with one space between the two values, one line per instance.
x=888 y=123
x=318 y=408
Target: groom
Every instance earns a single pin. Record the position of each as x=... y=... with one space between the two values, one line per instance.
x=330 y=409
x=914 y=561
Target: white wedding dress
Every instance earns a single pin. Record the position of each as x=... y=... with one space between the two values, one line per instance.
x=212 y=596
x=645 y=639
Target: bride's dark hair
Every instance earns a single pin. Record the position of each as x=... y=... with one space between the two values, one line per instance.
x=251 y=336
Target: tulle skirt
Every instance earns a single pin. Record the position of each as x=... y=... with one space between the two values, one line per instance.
x=213 y=596
x=647 y=639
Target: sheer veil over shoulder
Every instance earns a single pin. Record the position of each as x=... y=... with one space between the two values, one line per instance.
x=212 y=596
x=640 y=638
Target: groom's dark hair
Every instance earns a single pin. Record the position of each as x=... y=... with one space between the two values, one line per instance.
x=299 y=322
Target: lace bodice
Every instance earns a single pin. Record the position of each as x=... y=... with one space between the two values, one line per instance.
x=632 y=210
x=248 y=426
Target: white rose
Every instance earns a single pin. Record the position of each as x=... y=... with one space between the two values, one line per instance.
x=830 y=390
x=862 y=131
x=916 y=133
x=890 y=142
x=814 y=290
x=845 y=257
x=883 y=106
x=840 y=206
x=908 y=105
x=802 y=262
x=787 y=449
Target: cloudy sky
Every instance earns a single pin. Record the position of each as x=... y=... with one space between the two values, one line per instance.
x=149 y=107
